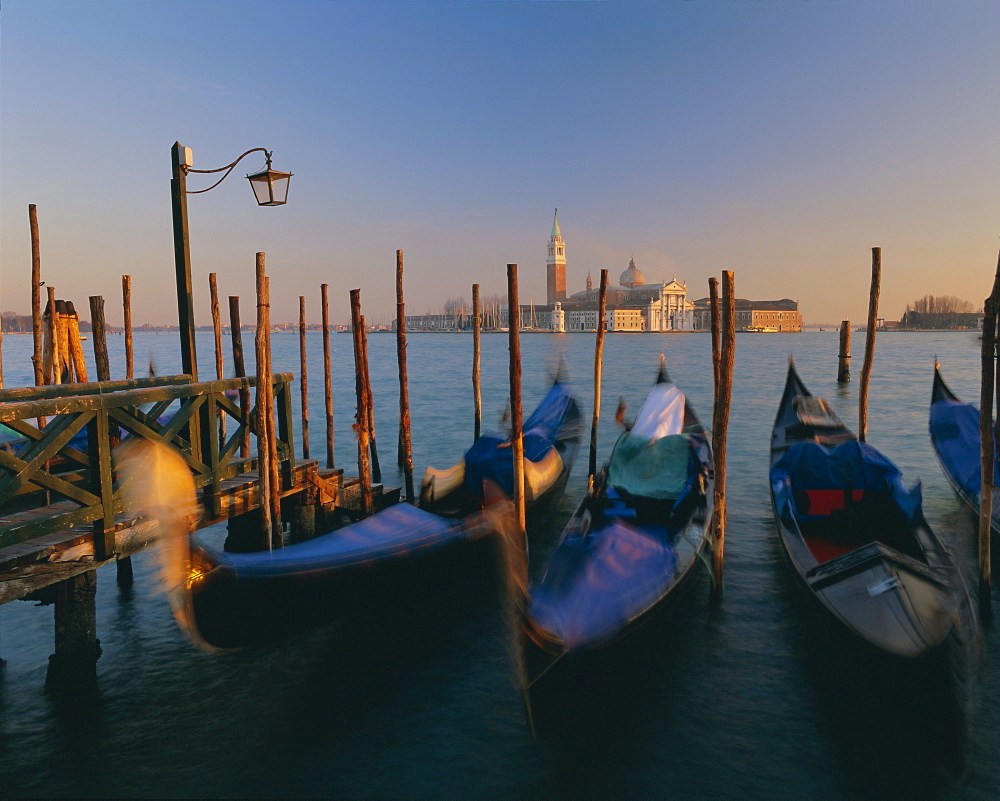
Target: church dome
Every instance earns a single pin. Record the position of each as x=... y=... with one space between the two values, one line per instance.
x=632 y=276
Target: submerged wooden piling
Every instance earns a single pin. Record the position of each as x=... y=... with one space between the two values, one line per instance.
x=239 y=365
x=127 y=324
x=602 y=299
x=720 y=427
x=77 y=648
x=327 y=383
x=361 y=392
x=405 y=450
x=516 y=436
x=844 y=365
x=36 y=300
x=477 y=391
x=866 y=370
x=986 y=447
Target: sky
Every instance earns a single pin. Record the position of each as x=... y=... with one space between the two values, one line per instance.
x=779 y=140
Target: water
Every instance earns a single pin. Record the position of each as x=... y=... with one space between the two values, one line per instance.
x=747 y=700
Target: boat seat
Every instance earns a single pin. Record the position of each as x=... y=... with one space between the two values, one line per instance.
x=822 y=502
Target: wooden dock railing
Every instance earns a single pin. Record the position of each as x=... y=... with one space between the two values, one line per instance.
x=51 y=482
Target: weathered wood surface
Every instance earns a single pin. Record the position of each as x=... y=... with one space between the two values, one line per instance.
x=866 y=368
x=91 y=388
x=127 y=323
x=36 y=299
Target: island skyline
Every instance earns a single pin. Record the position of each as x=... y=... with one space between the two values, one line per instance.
x=781 y=141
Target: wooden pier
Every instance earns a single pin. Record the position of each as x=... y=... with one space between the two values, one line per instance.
x=62 y=512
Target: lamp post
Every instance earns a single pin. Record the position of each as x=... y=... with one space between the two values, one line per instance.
x=270 y=189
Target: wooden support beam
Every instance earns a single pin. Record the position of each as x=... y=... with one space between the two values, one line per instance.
x=77 y=648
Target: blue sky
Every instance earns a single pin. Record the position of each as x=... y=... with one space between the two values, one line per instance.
x=781 y=140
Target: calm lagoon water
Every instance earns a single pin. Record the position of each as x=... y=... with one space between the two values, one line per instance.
x=747 y=700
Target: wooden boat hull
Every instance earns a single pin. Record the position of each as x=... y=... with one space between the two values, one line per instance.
x=560 y=417
x=869 y=559
x=398 y=553
x=623 y=559
x=945 y=407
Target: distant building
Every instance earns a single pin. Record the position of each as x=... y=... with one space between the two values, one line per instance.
x=755 y=315
x=555 y=265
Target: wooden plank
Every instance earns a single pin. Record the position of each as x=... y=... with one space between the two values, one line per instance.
x=12 y=394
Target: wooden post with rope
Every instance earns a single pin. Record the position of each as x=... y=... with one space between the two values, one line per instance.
x=844 y=365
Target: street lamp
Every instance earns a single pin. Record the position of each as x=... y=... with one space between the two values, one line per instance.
x=270 y=188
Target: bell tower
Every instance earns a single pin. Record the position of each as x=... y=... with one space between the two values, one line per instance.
x=555 y=265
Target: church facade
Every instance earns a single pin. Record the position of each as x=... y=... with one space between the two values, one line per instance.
x=631 y=305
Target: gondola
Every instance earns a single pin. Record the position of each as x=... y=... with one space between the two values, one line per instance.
x=551 y=438
x=855 y=535
x=225 y=600
x=955 y=436
x=638 y=538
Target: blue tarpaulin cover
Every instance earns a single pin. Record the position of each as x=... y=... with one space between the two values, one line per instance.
x=597 y=583
x=852 y=465
x=491 y=457
x=955 y=431
x=394 y=531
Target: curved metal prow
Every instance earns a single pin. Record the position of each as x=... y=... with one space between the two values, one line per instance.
x=662 y=377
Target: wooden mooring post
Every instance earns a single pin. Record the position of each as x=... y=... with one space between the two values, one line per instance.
x=370 y=407
x=720 y=427
x=404 y=454
x=866 y=369
x=361 y=392
x=602 y=299
x=303 y=377
x=36 y=300
x=987 y=456
x=267 y=453
x=327 y=383
x=127 y=325
x=239 y=364
x=844 y=365
x=477 y=391
x=516 y=437
x=123 y=567
x=713 y=295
